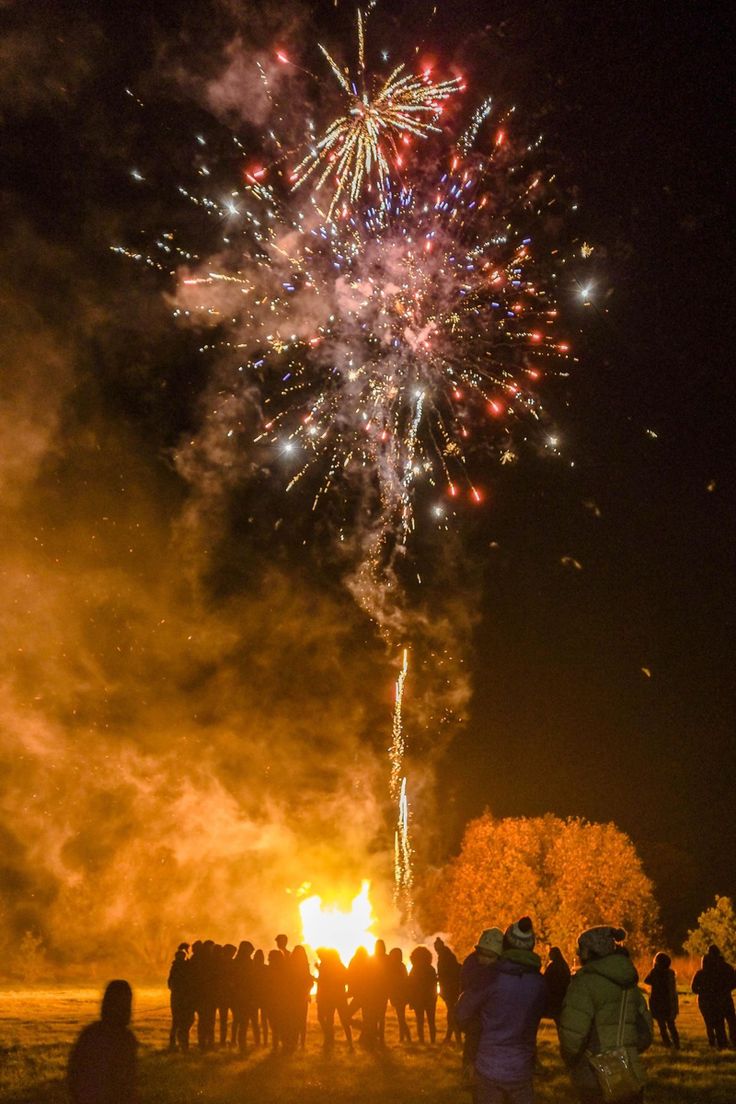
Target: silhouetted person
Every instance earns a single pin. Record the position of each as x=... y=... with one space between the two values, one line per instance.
x=102 y=1063
x=224 y=978
x=709 y=986
x=300 y=983
x=663 y=1001
x=728 y=983
x=281 y=942
x=245 y=1008
x=448 y=976
x=206 y=994
x=423 y=991
x=332 y=979
x=182 y=1004
x=473 y=973
x=556 y=978
x=397 y=986
x=260 y=976
x=358 y=983
x=276 y=998
x=372 y=985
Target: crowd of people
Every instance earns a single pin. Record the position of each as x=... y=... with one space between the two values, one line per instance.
x=494 y=1003
x=239 y=997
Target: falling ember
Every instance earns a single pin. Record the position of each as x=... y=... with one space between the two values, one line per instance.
x=403 y=873
x=342 y=929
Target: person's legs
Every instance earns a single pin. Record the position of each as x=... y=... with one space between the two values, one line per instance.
x=662 y=1025
x=431 y=1008
x=719 y=1030
x=420 y=1023
x=344 y=1017
x=674 y=1034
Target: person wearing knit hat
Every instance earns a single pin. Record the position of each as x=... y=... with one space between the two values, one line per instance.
x=509 y=997
x=602 y=1005
x=520 y=936
x=599 y=942
x=490 y=944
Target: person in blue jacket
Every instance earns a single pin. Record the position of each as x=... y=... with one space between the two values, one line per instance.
x=511 y=998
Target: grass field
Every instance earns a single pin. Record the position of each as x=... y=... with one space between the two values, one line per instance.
x=37 y=1027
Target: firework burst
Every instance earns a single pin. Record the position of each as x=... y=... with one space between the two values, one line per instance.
x=364 y=140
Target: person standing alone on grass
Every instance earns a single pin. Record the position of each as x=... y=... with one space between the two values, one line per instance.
x=603 y=1001
x=663 y=1002
x=102 y=1063
x=712 y=984
x=510 y=997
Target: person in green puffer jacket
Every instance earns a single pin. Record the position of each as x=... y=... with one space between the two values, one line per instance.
x=590 y=1011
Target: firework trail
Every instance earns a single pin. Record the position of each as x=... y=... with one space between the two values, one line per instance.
x=403 y=873
x=390 y=340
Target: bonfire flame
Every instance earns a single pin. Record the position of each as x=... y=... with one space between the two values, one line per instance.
x=343 y=929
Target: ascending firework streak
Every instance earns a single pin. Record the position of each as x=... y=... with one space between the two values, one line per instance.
x=403 y=874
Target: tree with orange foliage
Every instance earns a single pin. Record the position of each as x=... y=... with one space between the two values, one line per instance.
x=567 y=875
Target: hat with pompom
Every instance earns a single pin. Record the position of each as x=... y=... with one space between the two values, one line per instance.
x=520 y=936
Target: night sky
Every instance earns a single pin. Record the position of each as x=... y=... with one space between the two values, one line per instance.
x=601 y=661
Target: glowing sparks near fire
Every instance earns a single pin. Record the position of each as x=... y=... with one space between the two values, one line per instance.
x=364 y=140
x=403 y=873
x=342 y=929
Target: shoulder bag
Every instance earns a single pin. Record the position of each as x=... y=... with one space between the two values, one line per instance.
x=616 y=1079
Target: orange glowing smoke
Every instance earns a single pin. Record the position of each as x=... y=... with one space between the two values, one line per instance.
x=344 y=929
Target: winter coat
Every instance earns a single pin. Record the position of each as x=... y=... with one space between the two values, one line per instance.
x=422 y=986
x=556 y=978
x=102 y=1066
x=713 y=984
x=510 y=997
x=590 y=1017
x=663 y=1000
x=448 y=975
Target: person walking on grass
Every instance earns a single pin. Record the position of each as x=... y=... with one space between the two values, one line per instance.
x=510 y=997
x=712 y=985
x=663 y=1002
x=103 y=1064
x=602 y=1001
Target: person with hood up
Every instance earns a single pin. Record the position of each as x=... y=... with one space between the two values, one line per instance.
x=102 y=1064
x=486 y=952
x=663 y=1002
x=556 y=978
x=591 y=1012
x=510 y=996
x=712 y=987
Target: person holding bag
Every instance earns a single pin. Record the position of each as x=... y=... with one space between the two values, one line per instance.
x=605 y=1024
